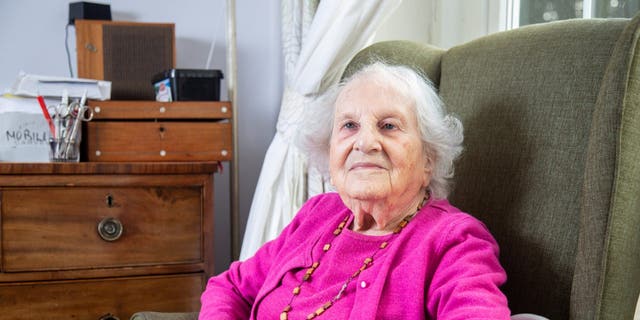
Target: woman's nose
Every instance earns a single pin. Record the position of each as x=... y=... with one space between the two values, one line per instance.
x=367 y=140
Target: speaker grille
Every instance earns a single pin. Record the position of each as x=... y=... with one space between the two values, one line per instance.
x=132 y=55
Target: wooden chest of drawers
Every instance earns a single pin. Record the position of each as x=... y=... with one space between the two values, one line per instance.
x=88 y=240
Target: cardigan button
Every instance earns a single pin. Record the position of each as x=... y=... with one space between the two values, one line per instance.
x=363 y=284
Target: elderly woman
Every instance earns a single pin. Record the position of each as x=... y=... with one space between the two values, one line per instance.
x=387 y=245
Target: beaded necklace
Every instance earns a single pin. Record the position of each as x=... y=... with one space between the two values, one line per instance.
x=365 y=264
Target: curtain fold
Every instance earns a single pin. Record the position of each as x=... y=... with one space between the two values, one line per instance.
x=318 y=39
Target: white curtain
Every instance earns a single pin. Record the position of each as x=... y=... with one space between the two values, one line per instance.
x=318 y=39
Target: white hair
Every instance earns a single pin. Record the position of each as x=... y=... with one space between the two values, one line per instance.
x=441 y=133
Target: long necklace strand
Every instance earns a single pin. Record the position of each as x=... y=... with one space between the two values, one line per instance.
x=365 y=264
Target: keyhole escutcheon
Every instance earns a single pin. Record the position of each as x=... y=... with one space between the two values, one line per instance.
x=109 y=200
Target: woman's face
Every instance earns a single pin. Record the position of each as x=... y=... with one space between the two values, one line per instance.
x=376 y=152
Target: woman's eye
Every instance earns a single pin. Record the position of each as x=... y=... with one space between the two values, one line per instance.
x=349 y=125
x=388 y=126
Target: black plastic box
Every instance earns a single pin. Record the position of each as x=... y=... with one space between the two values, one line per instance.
x=88 y=10
x=187 y=85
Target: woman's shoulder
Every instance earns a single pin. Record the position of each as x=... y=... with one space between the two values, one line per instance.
x=328 y=198
x=321 y=208
x=454 y=224
x=444 y=216
x=315 y=216
x=324 y=202
x=443 y=210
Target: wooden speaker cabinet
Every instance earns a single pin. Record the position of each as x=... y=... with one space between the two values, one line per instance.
x=128 y=54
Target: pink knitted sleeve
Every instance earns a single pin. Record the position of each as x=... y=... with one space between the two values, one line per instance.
x=466 y=282
x=231 y=294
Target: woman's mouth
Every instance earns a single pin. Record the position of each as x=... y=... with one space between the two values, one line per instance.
x=365 y=165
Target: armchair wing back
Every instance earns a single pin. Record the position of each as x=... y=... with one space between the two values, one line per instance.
x=552 y=156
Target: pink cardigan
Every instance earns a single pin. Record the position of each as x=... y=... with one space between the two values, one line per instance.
x=443 y=265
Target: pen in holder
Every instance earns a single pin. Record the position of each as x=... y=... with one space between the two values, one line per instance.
x=65 y=140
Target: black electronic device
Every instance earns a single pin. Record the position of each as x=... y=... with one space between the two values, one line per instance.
x=187 y=85
x=88 y=11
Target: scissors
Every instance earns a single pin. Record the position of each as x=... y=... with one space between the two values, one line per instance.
x=81 y=112
x=61 y=116
x=60 y=111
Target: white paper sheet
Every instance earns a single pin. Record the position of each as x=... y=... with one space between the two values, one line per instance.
x=30 y=85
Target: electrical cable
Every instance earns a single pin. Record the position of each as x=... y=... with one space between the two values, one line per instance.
x=66 y=46
x=213 y=40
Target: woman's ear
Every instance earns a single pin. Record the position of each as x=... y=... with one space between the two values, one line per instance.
x=428 y=171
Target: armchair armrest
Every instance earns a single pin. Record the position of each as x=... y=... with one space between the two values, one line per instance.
x=148 y=315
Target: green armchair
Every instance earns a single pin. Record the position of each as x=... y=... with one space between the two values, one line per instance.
x=552 y=159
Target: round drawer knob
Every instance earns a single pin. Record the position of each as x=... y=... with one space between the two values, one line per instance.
x=108 y=316
x=110 y=229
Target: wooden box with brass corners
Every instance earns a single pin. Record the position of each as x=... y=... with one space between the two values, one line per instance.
x=158 y=131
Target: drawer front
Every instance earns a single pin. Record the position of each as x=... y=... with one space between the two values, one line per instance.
x=57 y=228
x=94 y=299
x=145 y=110
x=158 y=141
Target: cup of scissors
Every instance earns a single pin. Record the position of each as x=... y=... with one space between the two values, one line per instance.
x=67 y=120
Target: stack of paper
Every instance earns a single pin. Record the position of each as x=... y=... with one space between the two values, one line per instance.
x=30 y=85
